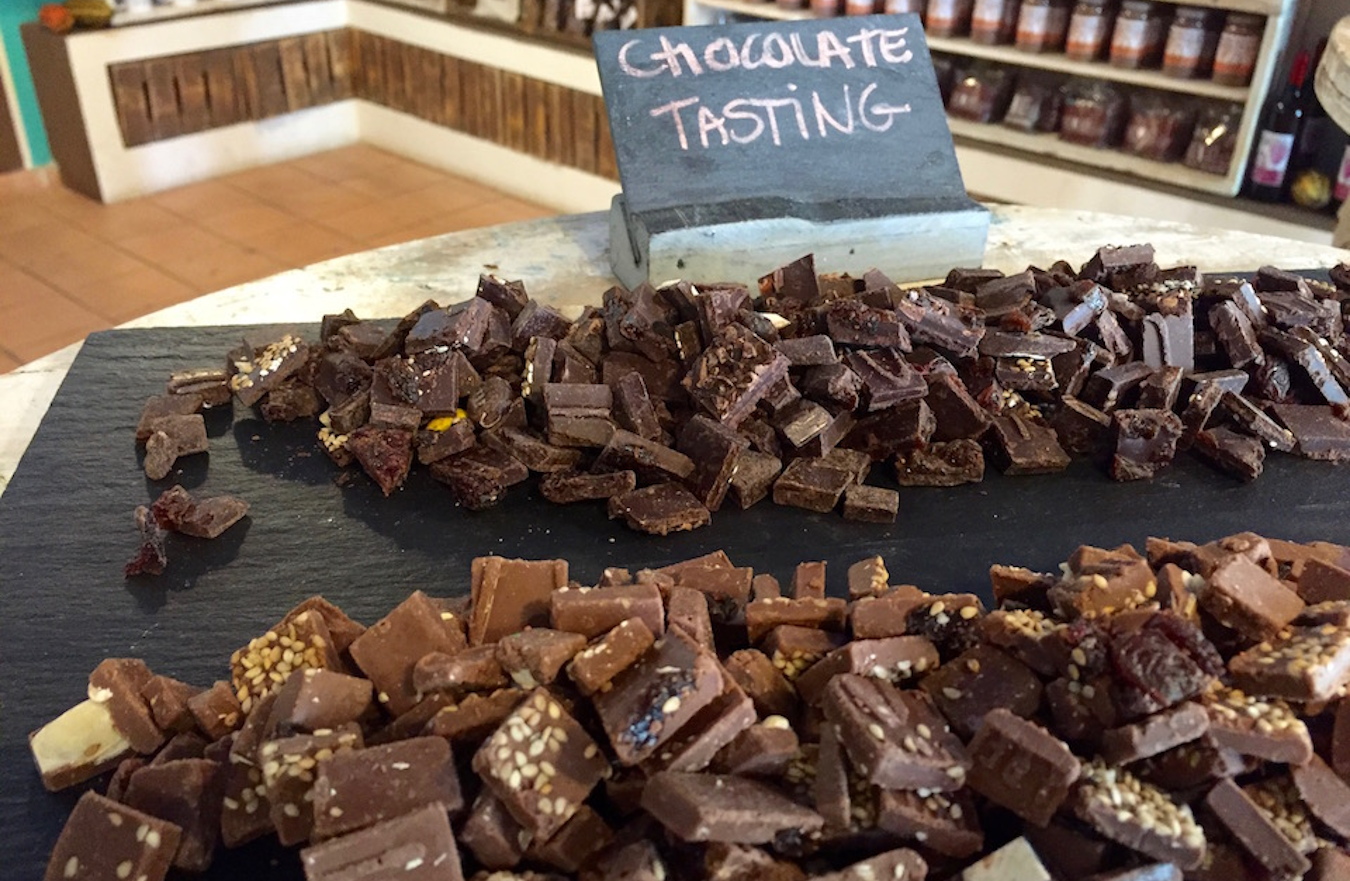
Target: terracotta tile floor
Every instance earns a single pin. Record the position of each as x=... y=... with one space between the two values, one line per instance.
x=70 y=265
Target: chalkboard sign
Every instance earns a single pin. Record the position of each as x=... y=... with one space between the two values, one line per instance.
x=815 y=122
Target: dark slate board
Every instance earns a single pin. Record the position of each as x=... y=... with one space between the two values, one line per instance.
x=65 y=532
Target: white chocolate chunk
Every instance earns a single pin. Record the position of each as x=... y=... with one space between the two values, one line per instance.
x=1014 y=861
x=77 y=744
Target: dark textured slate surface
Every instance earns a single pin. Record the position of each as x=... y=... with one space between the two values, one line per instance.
x=66 y=530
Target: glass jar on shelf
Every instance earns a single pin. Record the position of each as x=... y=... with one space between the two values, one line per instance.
x=1159 y=127
x=949 y=18
x=1239 y=46
x=1037 y=103
x=981 y=94
x=860 y=7
x=1093 y=115
x=994 y=21
x=1191 y=42
x=826 y=8
x=899 y=7
x=1214 y=140
x=1137 y=38
x=1043 y=25
x=1089 y=30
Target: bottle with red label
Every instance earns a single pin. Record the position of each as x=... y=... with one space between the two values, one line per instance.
x=1275 y=143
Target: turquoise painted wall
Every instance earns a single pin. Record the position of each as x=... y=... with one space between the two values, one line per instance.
x=12 y=14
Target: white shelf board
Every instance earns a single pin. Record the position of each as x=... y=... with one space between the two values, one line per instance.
x=168 y=12
x=1050 y=145
x=1059 y=63
x=757 y=9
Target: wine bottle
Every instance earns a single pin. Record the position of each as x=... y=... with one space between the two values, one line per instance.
x=1279 y=130
x=1313 y=167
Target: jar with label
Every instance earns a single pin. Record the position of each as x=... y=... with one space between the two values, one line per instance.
x=1093 y=115
x=1239 y=46
x=994 y=21
x=1089 y=28
x=900 y=7
x=1043 y=25
x=860 y=7
x=827 y=8
x=1136 y=40
x=1191 y=42
x=948 y=18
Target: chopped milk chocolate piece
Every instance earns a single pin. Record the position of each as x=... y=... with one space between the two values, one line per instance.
x=742 y=862
x=762 y=616
x=808 y=580
x=1245 y=598
x=713 y=727
x=1319 y=433
x=385 y=454
x=362 y=787
x=715 y=451
x=1026 y=634
x=1017 y=764
x=593 y=612
x=1027 y=447
x=888 y=614
x=793 y=649
x=474 y=717
x=1138 y=815
x=1106 y=582
x=1192 y=766
x=710 y=807
x=894 y=865
x=1301 y=664
x=1070 y=851
x=541 y=763
x=1325 y=793
x=314 y=699
x=871 y=504
x=288 y=774
x=764 y=682
x=868 y=578
x=118 y=683
x=688 y=610
x=168 y=701
x=660 y=509
x=475 y=669
x=104 y=839
x=651 y=700
x=1329 y=864
x=1155 y=734
x=245 y=813
x=754 y=475
x=1146 y=442
x=895 y=739
x=509 y=595
x=565 y=487
x=217 y=710
x=639 y=861
x=417 y=846
x=812 y=484
x=77 y=745
x=536 y=655
x=968 y=687
x=1321 y=582
x=187 y=793
x=1251 y=726
x=764 y=749
x=570 y=847
x=894 y=659
x=387 y=651
x=943 y=822
x=733 y=373
x=492 y=835
x=160 y=406
x=1019 y=585
x=764 y=586
x=1016 y=859
x=726 y=587
x=1251 y=828
x=943 y=464
x=595 y=666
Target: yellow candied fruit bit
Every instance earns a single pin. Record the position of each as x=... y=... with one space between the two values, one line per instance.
x=441 y=423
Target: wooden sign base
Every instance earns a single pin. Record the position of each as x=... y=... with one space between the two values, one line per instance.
x=914 y=246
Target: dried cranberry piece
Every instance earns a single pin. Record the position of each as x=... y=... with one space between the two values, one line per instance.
x=151 y=558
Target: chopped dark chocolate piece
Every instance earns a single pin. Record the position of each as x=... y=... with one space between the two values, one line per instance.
x=894 y=430
x=474 y=717
x=532 y=451
x=854 y=323
x=168 y=701
x=475 y=669
x=715 y=451
x=1318 y=432
x=104 y=839
x=651 y=461
x=733 y=373
x=871 y=504
x=1250 y=827
x=633 y=408
x=754 y=475
x=267 y=368
x=1326 y=795
x=1138 y=815
x=1322 y=582
x=1251 y=420
x=592 y=612
x=888 y=380
x=1027 y=447
x=162 y=406
x=117 y=682
x=808 y=351
x=1237 y=454
x=1145 y=442
x=565 y=487
x=941 y=464
x=709 y=807
x=958 y=415
x=660 y=509
x=813 y=484
x=492 y=835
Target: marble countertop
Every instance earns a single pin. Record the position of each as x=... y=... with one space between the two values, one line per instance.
x=563 y=262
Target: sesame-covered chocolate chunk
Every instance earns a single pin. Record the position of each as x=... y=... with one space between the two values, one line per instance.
x=267 y=367
x=105 y=840
x=416 y=846
x=1243 y=596
x=1256 y=832
x=592 y=612
x=356 y=789
x=1138 y=815
x=1252 y=726
x=288 y=774
x=660 y=509
x=387 y=651
x=1017 y=764
x=979 y=681
x=541 y=763
x=509 y=595
x=893 y=659
x=1301 y=664
x=896 y=865
x=793 y=649
x=895 y=739
x=710 y=807
x=536 y=655
x=474 y=716
x=943 y=822
x=764 y=681
x=187 y=793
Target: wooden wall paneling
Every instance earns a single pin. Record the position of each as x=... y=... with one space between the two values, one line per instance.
x=294 y=77
x=470 y=97
x=358 y=60
x=452 y=100
x=561 y=143
x=247 y=94
x=132 y=102
x=319 y=76
x=163 y=94
x=271 y=87
x=190 y=80
x=372 y=68
x=531 y=15
x=513 y=111
x=583 y=134
x=607 y=164
x=222 y=93
x=340 y=45
x=496 y=102
x=431 y=86
x=396 y=73
x=536 y=118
